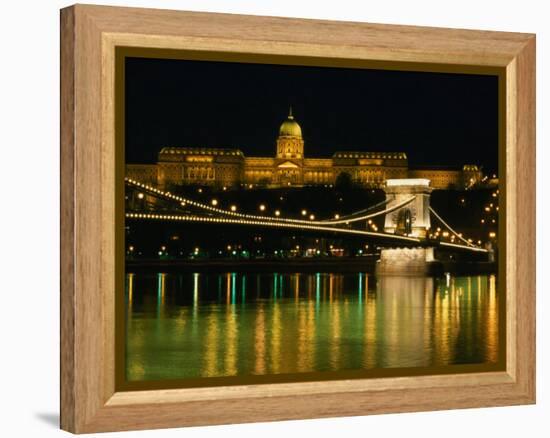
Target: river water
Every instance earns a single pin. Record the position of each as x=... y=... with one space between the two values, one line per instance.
x=208 y=324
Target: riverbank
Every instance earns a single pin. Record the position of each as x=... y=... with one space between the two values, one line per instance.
x=337 y=265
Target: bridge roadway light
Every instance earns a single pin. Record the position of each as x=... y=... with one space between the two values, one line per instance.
x=312 y=216
x=304 y=212
x=214 y=202
x=262 y=207
x=233 y=208
x=336 y=216
x=277 y=213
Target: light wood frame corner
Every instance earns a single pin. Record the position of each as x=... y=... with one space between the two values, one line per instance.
x=89 y=36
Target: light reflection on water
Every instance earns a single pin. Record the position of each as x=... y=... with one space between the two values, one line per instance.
x=207 y=325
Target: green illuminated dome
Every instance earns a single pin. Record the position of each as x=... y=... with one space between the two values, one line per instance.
x=290 y=128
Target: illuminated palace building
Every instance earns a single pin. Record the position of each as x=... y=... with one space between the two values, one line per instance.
x=229 y=167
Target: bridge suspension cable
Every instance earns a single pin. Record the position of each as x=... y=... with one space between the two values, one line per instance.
x=270 y=221
x=368 y=216
x=200 y=205
x=225 y=220
x=452 y=230
x=469 y=248
x=365 y=210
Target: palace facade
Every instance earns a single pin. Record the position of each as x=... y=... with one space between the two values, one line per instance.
x=289 y=167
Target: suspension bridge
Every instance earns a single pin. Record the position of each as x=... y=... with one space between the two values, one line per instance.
x=406 y=211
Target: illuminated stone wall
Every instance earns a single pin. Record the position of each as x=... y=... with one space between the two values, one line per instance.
x=229 y=167
x=439 y=178
x=405 y=261
x=146 y=173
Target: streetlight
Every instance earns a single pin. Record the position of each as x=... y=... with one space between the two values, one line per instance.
x=277 y=213
x=233 y=208
x=262 y=207
x=141 y=195
x=304 y=212
x=214 y=202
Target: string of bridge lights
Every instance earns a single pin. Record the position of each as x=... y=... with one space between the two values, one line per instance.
x=307 y=226
x=470 y=247
x=270 y=221
x=452 y=230
x=337 y=221
x=365 y=210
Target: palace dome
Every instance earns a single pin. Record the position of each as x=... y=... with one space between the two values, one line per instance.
x=290 y=128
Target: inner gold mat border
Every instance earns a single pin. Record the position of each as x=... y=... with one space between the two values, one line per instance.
x=123 y=52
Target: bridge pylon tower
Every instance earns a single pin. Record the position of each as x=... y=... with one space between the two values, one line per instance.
x=413 y=219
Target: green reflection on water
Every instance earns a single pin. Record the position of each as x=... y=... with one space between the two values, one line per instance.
x=181 y=326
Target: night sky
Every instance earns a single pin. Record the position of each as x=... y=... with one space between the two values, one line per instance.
x=438 y=119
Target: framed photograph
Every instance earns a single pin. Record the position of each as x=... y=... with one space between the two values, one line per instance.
x=273 y=218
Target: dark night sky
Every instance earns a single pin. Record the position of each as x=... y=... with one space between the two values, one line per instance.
x=436 y=118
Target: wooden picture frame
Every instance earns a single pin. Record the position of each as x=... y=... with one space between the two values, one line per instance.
x=89 y=36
